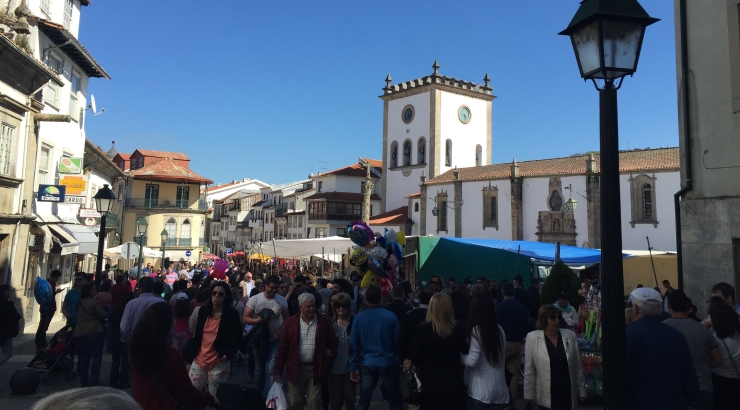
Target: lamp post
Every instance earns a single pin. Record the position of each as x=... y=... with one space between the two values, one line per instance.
x=103 y=202
x=164 y=235
x=607 y=37
x=141 y=227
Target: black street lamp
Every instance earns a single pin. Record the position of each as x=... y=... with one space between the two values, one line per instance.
x=104 y=199
x=164 y=235
x=141 y=227
x=607 y=37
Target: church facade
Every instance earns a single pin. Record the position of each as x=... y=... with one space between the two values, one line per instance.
x=437 y=145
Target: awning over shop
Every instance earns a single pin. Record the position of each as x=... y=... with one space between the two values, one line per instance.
x=68 y=242
x=296 y=248
x=87 y=239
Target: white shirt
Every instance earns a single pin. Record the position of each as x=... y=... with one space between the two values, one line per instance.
x=726 y=369
x=307 y=341
x=485 y=383
x=277 y=304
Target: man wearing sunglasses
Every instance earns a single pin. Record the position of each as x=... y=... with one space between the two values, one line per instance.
x=436 y=283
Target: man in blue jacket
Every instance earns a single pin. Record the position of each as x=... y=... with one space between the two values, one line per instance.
x=375 y=333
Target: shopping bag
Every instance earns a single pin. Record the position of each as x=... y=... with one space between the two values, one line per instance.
x=276 y=398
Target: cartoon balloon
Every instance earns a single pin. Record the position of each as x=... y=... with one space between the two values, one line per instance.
x=376 y=266
x=380 y=240
x=370 y=279
x=397 y=251
x=43 y=293
x=401 y=239
x=391 y=235
x=377 y=253
x=358 y=257
x=360 y=233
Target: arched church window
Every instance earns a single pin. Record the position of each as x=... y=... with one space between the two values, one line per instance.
x=448 y=153
x=407 y=153
x=643 y=198
x=416 y=207
x=647 y=201
x=394 y=154
x=478 y=155
x=421 y=151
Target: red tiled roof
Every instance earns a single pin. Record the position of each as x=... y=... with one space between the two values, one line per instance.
x=341 y=196
x=167 y=170
x=355 y=170
x=374 y=162
x=163 y=154
x=124 y=157
x=416 y=195
x=395 y=217
x=629 y=161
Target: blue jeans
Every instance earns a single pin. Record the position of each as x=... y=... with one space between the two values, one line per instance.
x=91 y=356
x=264 y=363
x=474 y=404
x=391 y=377
x=119 y=370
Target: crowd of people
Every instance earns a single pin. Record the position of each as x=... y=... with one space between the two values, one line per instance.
x=175 y=334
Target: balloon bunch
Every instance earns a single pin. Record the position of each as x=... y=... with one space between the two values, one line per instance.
x=376 y=257
x=219 y=269
x=42 y=292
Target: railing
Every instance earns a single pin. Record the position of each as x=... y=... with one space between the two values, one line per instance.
x=142 y=242
x=165 y=203
x=183 y=242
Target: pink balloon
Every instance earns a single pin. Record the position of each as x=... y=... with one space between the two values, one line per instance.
x=393 y=261
x=220 y=266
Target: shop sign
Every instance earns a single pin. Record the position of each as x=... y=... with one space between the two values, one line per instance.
x=89 y=213
x=70 y=166
x=51 y=193
x=68 y=199
x=75 y=185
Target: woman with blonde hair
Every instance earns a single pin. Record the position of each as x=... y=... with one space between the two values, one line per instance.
x=436 y=351
x=553 y=376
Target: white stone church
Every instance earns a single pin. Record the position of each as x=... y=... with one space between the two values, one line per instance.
x=437 y=145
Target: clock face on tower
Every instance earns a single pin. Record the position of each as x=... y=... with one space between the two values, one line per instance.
x=407 y=114
x=463 y=113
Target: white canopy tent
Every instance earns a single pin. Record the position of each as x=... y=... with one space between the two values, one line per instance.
x=115 y=252
x=296 y=248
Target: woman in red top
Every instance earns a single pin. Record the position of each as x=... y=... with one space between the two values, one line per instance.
x=160 y=379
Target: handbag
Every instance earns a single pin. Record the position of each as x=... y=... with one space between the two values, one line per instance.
x=411 y=387
x=729 y=354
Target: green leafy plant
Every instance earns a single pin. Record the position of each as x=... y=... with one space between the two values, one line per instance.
x=561 y=280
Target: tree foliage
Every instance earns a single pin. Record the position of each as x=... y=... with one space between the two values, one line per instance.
x=561 y=280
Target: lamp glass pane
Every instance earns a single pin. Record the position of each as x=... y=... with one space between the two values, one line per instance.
x=621 y=44
x=586 y=44
x=103 y=204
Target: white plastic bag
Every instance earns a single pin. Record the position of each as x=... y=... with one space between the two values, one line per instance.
x=276 y=398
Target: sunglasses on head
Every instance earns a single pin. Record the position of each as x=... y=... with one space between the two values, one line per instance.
x=218 y=293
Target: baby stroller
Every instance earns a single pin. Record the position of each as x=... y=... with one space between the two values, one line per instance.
x=59 y=358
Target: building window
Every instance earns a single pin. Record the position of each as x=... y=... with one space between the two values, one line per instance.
x=6 y=149
x=642 y=190
x=45 y=6
x=407 y=153
x=321 y=186
x=478 y=155
x=300 y=221
x=74 y=90
x=44 y=159
x=320 y=232
x=442 y=211
x=67 y=22
x=171 y=227
x=394 y=154
x=448 y=153
x=183 y=196
x=421 y=151
x=490 y=207
x=342 y=232
x=416 y=207
x=185 y=229
x=300 y=236
x=51 y=92
x=202 y=228
x=151 y=195
x=647 y=201
x=141 y=162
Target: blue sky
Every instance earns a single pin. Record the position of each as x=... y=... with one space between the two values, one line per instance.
x=274 y=90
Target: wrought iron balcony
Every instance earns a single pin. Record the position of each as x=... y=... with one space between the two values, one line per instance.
x=165 y=203
x=202 y=242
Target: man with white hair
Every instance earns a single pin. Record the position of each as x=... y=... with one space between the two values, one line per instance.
x=307 y=348
x=660 y=369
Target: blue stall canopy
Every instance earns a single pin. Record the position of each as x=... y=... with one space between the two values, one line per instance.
x=570 y=255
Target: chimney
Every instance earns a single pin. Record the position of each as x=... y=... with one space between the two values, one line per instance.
x=591 y=164
x=455 y=174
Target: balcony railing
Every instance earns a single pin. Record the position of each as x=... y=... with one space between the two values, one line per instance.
x=202 y=242
x=165 y=203
x=183 y=242
x=334 y=217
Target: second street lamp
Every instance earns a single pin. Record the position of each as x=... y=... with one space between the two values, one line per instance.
x=164 y=235
x=104 y=199
x=141 y=227
x=607 y=38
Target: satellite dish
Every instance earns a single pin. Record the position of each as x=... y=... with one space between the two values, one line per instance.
x=93 y=107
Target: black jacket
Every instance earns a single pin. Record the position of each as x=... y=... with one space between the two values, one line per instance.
x=438 y=361
x=227 y=339
x=413 y=319
x=9 y=318
x=258 y=337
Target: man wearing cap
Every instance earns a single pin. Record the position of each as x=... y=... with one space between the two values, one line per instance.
x=661 y=371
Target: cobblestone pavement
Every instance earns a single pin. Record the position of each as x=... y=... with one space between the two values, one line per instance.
x=24 y=350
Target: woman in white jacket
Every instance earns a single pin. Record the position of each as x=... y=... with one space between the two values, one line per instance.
x=553 y=376
x=484 y=363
